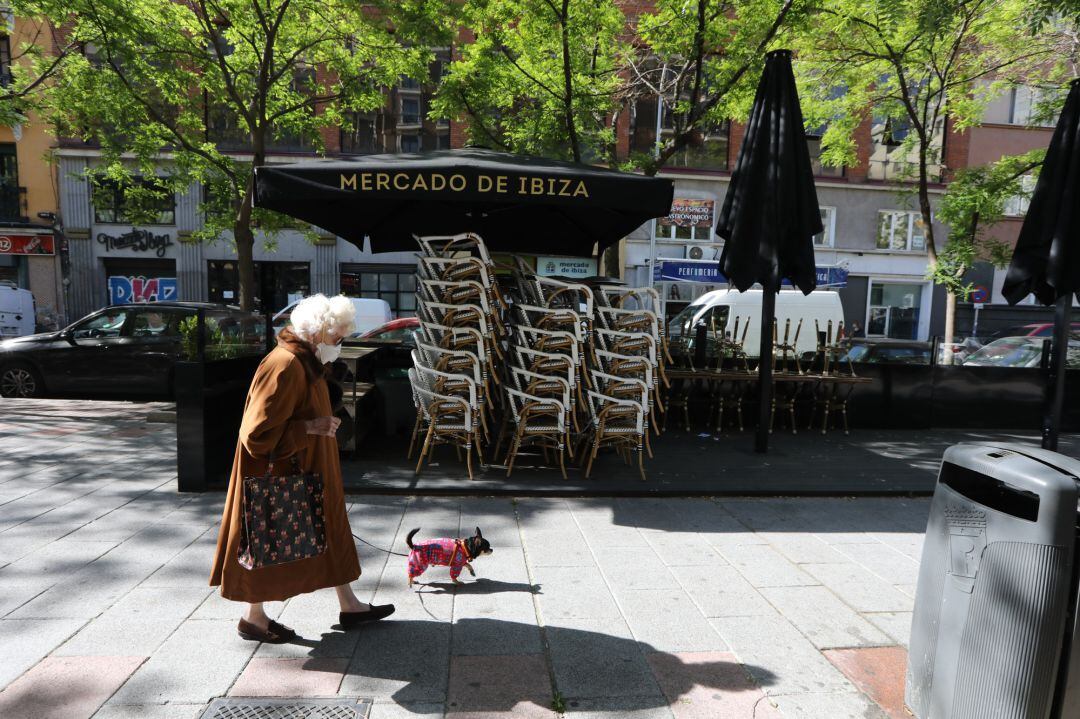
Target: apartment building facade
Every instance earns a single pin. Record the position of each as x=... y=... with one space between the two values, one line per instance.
x=30 y=245
x=872 y=250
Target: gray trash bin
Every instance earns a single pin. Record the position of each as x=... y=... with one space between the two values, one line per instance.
x=992 y=634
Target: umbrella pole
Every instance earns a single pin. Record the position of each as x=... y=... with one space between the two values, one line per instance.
x=765 y=362
x=1058 y=362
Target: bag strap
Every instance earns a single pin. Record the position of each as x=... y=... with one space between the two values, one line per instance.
x=295 y=457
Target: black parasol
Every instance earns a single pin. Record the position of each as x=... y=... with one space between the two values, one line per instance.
x=515 y=202
x=770 y=213
x=1046 y=260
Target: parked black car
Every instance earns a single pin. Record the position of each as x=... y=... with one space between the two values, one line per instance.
x=118 y=350
x=887 y=351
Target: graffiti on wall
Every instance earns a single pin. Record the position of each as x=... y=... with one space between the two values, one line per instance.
x=141 y=289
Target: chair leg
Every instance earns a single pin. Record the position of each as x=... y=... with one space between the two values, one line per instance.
x=468 y=459
x=562 y=462
x=424 y=450
x=479 y=452
x=648 y=446
x=569 y=444
x=512 y=453
x=415 y=431
x=640 y=464
x=592 y=456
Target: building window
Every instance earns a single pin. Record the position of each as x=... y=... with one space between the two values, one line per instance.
x=901 y=231
x=1017 y=205
x=813 y=143
x=706 y=149
x=893 y=310
x=141 y=201
x=11 y=195
x=410 y=110
x=362 y=135
x=1024 y=105
x=394 y=283
x=5 y=61
x=825 y=238
x=277 y=284
x=409 y=143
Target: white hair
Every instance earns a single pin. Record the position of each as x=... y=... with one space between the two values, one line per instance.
x=319 y=313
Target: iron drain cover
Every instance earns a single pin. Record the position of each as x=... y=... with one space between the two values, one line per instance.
x=258 y=708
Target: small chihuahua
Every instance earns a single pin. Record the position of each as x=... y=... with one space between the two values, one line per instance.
x=453 y=553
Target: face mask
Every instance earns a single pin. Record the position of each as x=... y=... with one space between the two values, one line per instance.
x=327 y=353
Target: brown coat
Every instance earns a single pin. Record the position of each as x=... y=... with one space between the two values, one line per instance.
x=289 y=387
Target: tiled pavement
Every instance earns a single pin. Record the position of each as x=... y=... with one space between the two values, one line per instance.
x=610 y=608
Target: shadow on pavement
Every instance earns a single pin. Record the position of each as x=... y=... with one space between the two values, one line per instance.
x=414 y=661
x=480 y=585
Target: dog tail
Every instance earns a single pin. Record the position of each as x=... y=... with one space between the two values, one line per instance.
x=409 y=536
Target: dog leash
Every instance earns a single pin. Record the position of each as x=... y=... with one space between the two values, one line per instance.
x=396 y=554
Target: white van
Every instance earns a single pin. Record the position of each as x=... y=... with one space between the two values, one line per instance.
x=370 y=313
x=723 y=306
x=17 y=311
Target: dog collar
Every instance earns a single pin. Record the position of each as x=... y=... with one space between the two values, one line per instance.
x=465 y=550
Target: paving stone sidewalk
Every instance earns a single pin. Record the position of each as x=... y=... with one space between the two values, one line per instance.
x=600 y=608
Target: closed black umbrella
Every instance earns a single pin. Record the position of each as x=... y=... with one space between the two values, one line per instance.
x=515 y=202
x=770 y=213
x=1046 y=260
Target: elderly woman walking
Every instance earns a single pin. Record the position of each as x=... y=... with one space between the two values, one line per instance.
x=288 y=418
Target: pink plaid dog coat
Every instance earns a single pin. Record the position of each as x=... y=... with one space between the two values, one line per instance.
x=439 y=552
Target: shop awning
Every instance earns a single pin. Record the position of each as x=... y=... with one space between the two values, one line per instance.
x=515 y=202
x=708 y=272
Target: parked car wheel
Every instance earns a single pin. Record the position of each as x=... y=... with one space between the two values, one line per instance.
x=20 y=380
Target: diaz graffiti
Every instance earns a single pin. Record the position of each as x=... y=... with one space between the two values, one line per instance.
x=137 y=240
x=123 y=290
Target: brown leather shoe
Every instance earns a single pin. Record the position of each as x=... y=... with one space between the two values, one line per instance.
x=273 y=634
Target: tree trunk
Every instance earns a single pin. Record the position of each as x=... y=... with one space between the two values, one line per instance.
x=611 y=267
x=245 y=246
x=950 y=326
x=245 y=236
x=568 y=83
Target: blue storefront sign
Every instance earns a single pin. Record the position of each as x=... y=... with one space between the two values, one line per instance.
x=709 y=273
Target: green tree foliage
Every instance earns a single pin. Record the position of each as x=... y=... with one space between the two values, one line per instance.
x=703 y=59
x=541 y=76
x=184 y=81
x=974 y=202
x=912 y=63
x=37 y=55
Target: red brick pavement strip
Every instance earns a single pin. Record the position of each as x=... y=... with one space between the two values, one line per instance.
x=499 y=686
x=878 y=672
x=709 y=685
x=66 y=687
x=303 y=677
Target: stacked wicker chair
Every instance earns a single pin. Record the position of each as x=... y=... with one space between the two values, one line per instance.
x=559 y=367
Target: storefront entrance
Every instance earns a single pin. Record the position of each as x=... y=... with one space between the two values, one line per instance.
x=894 y=310
x=276 y=283
x=394 y=283
x=141 y=281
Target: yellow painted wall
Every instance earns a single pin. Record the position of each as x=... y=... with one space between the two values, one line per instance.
x=33 y=150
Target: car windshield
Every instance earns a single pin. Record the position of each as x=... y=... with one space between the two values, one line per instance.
x=857 y=353
x=107 y=324
x=680 y=323
x=1008 y=352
